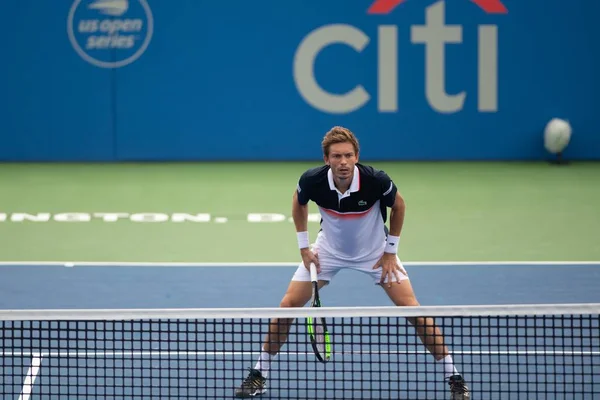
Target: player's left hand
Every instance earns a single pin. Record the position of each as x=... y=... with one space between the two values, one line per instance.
x=390 y=268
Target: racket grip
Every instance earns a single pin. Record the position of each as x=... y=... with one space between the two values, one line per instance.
x=313 y=273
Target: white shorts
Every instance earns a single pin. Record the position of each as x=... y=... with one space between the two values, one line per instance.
x=331 y=266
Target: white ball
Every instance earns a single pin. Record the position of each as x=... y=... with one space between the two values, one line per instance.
x=557 y=135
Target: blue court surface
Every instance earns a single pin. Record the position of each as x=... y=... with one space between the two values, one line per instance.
x=29 y=286
x=501 y=357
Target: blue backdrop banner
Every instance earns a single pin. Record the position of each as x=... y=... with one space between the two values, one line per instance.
x=110 y=80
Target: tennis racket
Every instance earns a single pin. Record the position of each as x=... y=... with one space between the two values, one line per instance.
x=317 y=329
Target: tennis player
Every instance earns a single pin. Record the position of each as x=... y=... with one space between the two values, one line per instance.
x=353 y=199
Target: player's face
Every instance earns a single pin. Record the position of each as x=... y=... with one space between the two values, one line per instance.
x=342 y=159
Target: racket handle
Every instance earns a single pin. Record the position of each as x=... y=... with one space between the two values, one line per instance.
x=313 y=273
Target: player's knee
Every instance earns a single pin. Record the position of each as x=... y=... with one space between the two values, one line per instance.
x=290 y=301
x=407 y=301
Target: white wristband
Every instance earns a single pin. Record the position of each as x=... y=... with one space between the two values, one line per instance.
x=303 y=242
x=391 y=246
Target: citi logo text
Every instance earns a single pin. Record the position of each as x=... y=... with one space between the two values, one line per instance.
x=434 y=35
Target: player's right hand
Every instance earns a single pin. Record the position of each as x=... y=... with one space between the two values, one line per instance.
x=308 y=257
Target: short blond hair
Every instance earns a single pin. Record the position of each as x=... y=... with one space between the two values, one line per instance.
x=339 y=134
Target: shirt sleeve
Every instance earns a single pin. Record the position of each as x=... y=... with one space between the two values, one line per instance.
x=388 y=189
x=303 y=190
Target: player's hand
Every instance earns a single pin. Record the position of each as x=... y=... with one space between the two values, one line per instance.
x=308 y=257
x=390 y=268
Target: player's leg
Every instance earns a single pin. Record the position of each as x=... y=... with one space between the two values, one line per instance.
x=298 y=293
x=402 y=294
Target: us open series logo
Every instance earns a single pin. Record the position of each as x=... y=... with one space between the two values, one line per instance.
x=110 y=33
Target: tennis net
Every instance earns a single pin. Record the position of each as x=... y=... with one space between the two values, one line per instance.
x=549 y=351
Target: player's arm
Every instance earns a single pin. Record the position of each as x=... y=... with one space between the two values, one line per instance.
x=397 y=215
x=300 y=217
x=392 y=199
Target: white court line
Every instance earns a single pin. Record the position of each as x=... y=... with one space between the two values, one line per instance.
x=284 y=264
x=31 y=376
x=150 y=353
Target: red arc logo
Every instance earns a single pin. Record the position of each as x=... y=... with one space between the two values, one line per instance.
x=386 y=6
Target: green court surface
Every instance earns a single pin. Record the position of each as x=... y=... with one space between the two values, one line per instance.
x=455 y=211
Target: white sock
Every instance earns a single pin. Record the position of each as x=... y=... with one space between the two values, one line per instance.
x=449 y=368
x=264 y=363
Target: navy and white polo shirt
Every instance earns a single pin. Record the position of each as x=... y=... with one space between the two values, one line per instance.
x=352 y=223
